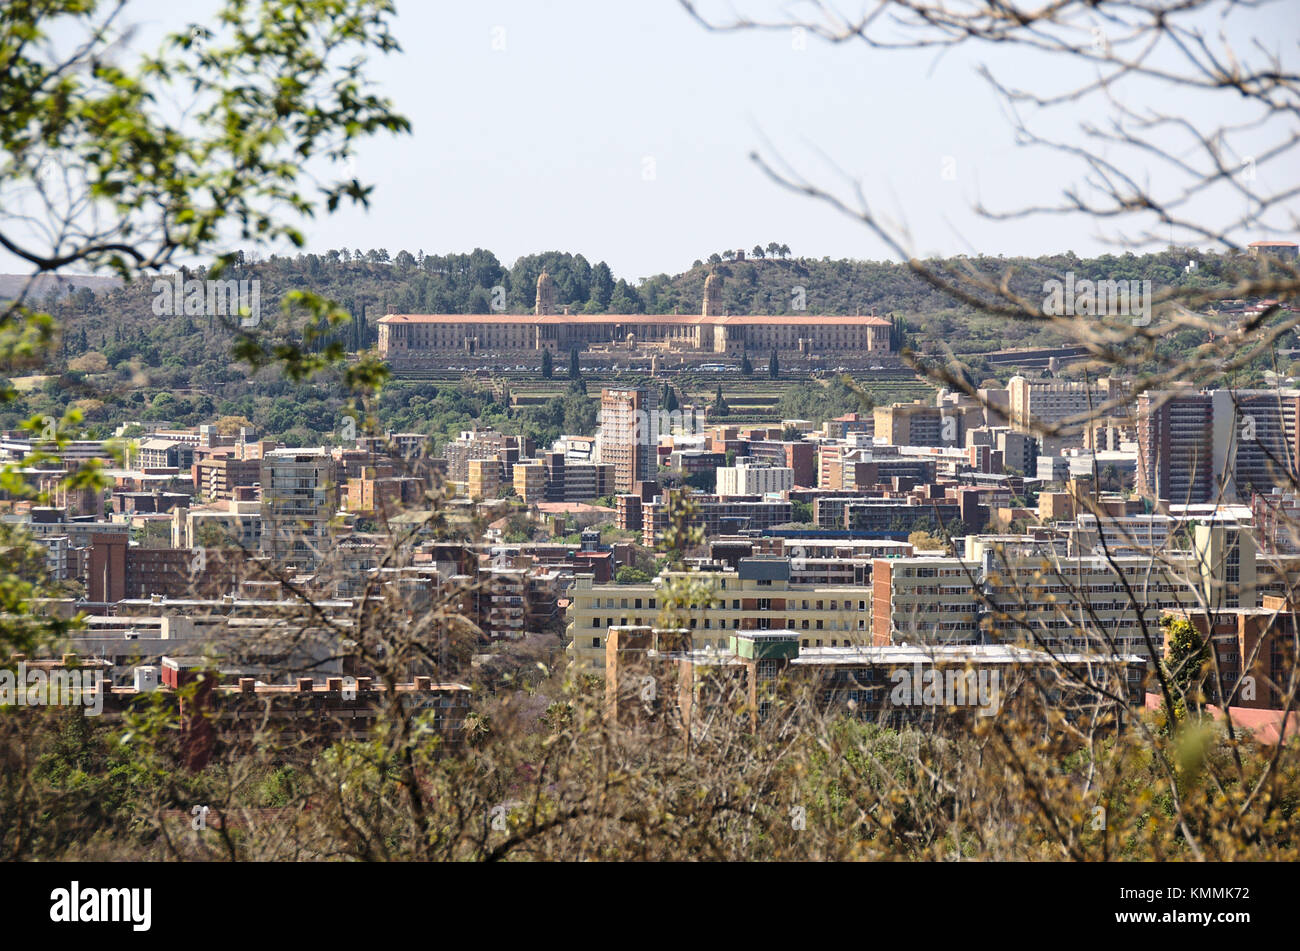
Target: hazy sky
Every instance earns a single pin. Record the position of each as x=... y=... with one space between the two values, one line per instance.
x=621 y=129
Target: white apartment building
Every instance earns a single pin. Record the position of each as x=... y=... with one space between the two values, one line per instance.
x=1074 y=604
x=56 y=558
x=754 y=478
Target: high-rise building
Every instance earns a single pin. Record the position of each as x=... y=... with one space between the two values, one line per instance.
x=629 y=434
x=1265 y=440
x=1176 y=440
x=471 y=444
x=1218 y=445
x=484 y=480
x=917 y=424
x=1034 y=404
x=299 y=497
x=1225 y=553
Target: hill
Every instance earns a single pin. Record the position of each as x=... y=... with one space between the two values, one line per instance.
x=122 y=361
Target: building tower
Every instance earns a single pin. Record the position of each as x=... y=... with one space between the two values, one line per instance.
x=712 y=296
x=299 y=498
x=545 y=295
x=629 y=434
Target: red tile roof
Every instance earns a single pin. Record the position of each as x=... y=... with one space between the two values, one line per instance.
x=1267 y=725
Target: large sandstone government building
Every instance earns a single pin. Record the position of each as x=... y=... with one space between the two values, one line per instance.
x=408 y=339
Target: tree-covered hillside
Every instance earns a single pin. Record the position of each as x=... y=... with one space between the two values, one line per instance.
x=122 y=361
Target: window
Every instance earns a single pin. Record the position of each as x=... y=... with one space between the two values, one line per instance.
x=595 y=642
x=819 y=624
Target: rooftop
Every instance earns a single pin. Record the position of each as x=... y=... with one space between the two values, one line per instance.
x=953 y=654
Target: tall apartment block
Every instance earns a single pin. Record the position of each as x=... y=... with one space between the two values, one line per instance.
x=1036 y=403
x=629 y=434
x=918 y=424
x=1176 y=439
x=471 y=444
x=1205 y=446
x=483 y=477
x=299 y=497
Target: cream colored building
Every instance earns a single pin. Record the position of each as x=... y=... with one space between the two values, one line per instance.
x=758 y=596
x=1033 y=404
x=1226 y=556
x=530 y=481
x=409 y=339
x=484 y=478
